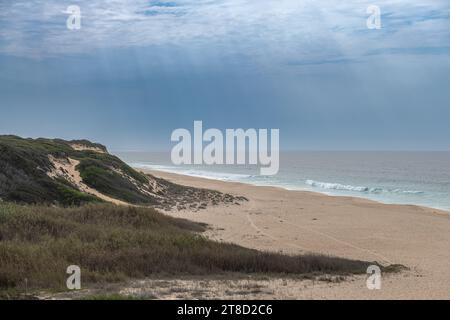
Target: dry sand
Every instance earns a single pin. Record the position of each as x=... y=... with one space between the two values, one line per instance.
x=297 y=222
x=66 y=168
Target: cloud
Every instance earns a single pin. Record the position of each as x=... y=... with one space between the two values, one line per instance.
x=264 y=31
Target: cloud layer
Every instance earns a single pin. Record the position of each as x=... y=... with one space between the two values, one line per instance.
x=282 y=31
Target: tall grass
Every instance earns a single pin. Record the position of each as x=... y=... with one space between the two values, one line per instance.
x=114 y=243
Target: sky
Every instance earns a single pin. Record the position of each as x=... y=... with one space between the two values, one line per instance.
x=137 y=70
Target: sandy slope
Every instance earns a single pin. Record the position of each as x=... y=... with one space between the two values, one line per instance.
x=297 y=222
x=66 y=168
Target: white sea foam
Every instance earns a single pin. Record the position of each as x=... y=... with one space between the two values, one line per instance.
x=400 y=178
x=226 y=176
x=343 y=187
x=223 y=176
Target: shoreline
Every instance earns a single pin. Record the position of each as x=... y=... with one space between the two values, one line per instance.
x=324 y=193
x=300 y=222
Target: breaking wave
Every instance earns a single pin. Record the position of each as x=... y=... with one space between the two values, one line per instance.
x=222 y=176
x=343 y=187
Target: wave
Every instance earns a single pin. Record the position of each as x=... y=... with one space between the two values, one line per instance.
x=222 y=176
x=261 y=180
x=343 y=187
x=406 y=191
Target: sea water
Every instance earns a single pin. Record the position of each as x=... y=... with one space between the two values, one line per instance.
x=420 y=178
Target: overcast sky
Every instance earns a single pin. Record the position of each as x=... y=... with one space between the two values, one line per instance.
x=137 y=70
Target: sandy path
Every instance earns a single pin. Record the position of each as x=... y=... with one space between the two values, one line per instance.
x=66 y=168
x=298 y=222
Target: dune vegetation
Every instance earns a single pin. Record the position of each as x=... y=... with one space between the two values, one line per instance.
x=115 y=243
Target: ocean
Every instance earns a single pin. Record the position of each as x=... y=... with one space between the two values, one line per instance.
x=419 y=178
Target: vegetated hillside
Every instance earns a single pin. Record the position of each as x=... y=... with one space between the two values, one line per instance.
x=75 y=172
x=115 y=243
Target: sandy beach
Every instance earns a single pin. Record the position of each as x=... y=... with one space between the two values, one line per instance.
x=299 y=222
